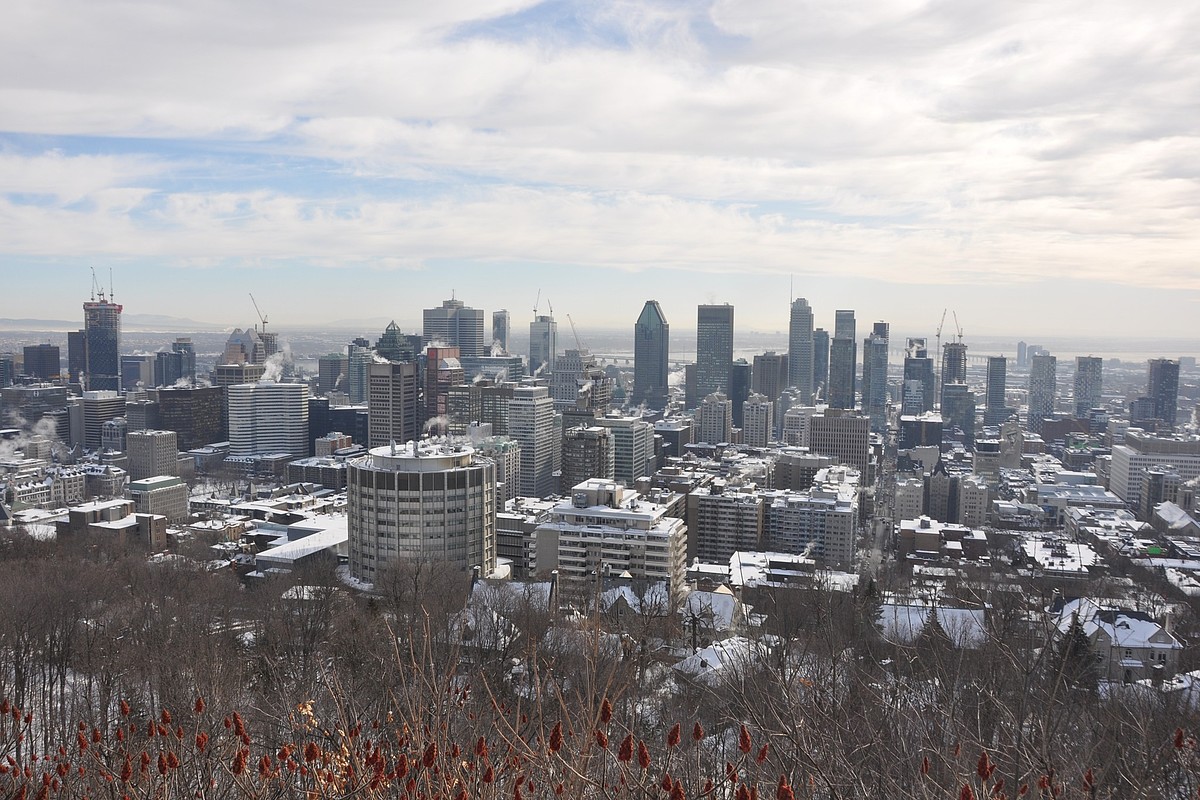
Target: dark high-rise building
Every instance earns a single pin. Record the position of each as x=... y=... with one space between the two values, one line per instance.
x=769 y=374
x=137 y=372
x=543 y=344
x=997 y=372
x=8 y=369
x=800 y=349
x=456 y=325
x=714 y=348
x=740 y=378
x=958 y=410
x=500 y=326
x=1089 y=376
x=1042 y=388
x=841 y=373
x=1163 y=389
x=919 y=380
x=76 y=354
x=42 y=361
x=842 y=360
x=874 y=380
x=394 y=403
x=331 y=373
x=196 y=414
x=354 y=420
x=318 y=419
x=102 y=327
x=1022 y=354
x=394 y=345
x=651 y=356
x=820 y=340
x=954 y=362
x=954 y=368
x=178 y=364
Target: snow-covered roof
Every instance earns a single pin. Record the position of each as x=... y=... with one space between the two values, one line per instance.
x=721 y=658
x=1123 y=627
x=966 y=627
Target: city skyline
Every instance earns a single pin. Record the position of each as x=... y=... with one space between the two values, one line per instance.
x=1012 y=162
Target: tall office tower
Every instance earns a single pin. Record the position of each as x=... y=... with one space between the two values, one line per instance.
x=843 y=324
x=714 y=348
x=1022 y=354
x=137 y=372
x=500 y=326
x=331 y=372
x=443 y=369
x=1089 y=380
x=268 y=417
x=919 y=380
x=874 y=381
x=142 y=415
x=958 y=410
x=152 y=453
x=395 y=345
x=844 y=437
x=422 y=502
x=954 y=363
x=841 y=373
x=76 y=355
x=997 y=372
x=844 y=330
x=97 y=408
x=587 y=452
x=651 y=357
x=359 y=358
x=800 y=349
x=494 y=403
x=739 y=388
x=233 y=374
x=462 y=408
x=8 y=369
x=531 y=423
x=821 y=350
x=102 y=328
x=244 y=347
x=456 y=325
x=691 y=396
x=394 y=403
x=633 y=447
x=196 y=414
x=42 y=361
x=769 y=374
x=579 y=382
x=1041 y=391
x=1163 y=389
x=186 y=350
x=543 y=344
x=758 y=426
x=714 y=419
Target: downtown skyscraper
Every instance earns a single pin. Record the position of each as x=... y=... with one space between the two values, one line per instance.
x=1089 y=377
x=1042 y=387
x=1163 y=389
x=102 y=343
x=800 y=349
x=997 y=375
x=874 y=381
x=843 y=355
x=714 y=348
x=651 y=356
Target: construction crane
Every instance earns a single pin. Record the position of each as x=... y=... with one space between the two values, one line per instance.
x=261 y=316
x=550 y=306
x=537 y=303
x=937 y=355
x=574 y=333
x=956 y=325
x=96 y=286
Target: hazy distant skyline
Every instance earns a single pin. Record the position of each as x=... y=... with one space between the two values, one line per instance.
x=1030 y=166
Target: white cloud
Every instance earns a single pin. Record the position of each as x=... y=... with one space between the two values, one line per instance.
x=933 y=141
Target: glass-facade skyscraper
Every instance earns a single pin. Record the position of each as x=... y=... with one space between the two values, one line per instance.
x=651 y=356
x=714 y=348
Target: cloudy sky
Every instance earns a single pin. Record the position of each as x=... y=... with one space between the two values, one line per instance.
x=1033 y=166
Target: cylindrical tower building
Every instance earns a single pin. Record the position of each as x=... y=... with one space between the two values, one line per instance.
x=421 y=500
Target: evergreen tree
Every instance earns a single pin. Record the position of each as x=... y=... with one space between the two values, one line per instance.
x=1075 y=664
